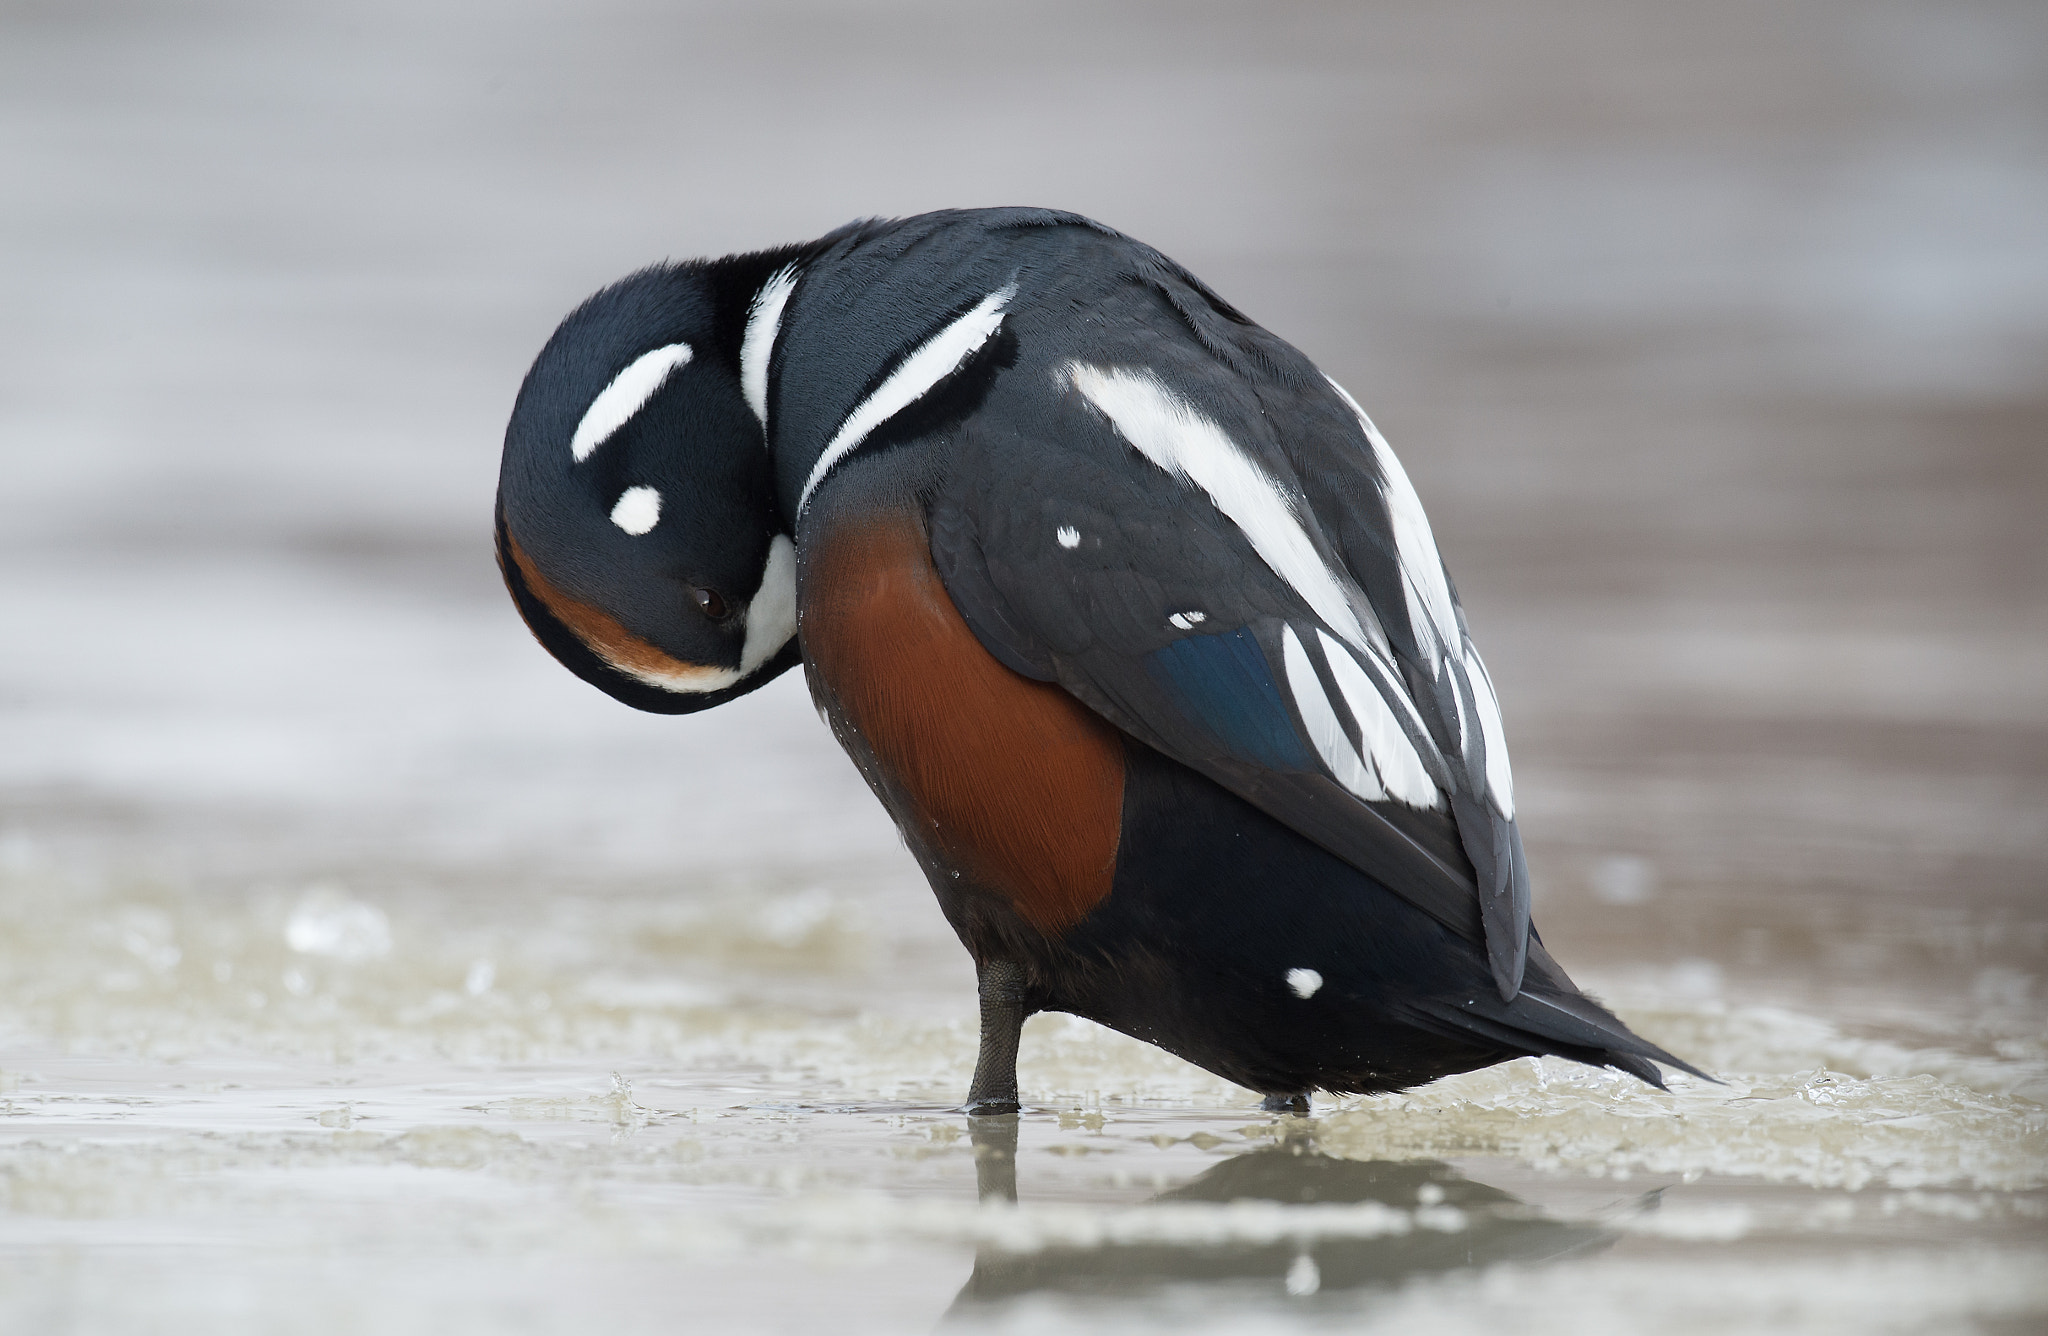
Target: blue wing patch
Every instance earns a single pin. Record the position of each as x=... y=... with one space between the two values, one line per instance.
x=1223 y=684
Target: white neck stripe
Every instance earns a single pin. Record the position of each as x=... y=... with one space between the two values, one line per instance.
x=939 y=357
x=629 y=391
x=757 y=345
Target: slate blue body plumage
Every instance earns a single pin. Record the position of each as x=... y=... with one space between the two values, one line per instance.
x=1165 y=541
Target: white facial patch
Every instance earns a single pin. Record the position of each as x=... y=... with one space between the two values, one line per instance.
x=935 y=359
x=1304 y=982
x=629 y=391
x=638 y=510
x=771 y=614
x=757 y=345
x=770 y=621
x=1170 y=432
x=1067 y=536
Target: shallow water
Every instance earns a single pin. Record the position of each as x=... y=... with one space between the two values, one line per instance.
x=362 y=970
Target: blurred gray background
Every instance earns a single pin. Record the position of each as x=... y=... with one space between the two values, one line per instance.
x=1714 y=339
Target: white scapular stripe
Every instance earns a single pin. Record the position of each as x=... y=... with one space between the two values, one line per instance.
x=771 y=615
x=1500 y=781
x=1324 y=729
x=1172 y=434
x=1304 y=982
x=1422 y=569
x=638 y=510
x=617 y=402
x=757 y=345
x=1387 y=745
x=937 y=358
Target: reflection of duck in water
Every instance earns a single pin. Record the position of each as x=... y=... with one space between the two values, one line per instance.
x=1496 y=1227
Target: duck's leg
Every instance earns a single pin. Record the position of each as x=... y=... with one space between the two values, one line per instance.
x=1296 y=1103
x=994 y=1090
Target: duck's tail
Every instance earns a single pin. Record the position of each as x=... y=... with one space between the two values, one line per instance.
x=1550 y=1015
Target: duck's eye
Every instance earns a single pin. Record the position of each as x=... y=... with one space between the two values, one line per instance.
x=711 y=603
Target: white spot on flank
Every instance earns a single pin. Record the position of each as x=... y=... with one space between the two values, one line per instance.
x=1189 y=620
x=1304 y=1277
x=771 y=614
x=638 y=510
x=757 y=345
x=937 y=358
x=617 y=402
x=1304 y=982
x=1171 y=433
x=1068 y=536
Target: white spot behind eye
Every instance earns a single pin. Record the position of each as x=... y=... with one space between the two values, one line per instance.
x=1068 y=536
x=617 y=402
x=638 y=510
x=1304 y=982
x=1188 y=620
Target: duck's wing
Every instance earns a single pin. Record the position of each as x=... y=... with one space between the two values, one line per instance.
x=1238 y=574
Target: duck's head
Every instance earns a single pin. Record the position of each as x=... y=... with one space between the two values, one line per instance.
x=637 y=527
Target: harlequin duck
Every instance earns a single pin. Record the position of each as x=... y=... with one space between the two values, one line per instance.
x=1126 y=612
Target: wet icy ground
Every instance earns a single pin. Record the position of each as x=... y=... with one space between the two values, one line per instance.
x=362 y=970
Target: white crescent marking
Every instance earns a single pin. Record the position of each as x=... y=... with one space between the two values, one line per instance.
x=937 y=358
x=757 y=345
x=617 y=402
x=771 y=615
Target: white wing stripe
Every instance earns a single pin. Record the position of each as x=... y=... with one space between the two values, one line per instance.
x=757 y=345
x=937 y=358
x=1422 y=568
x=1393 y=755
x=1500 y=781
x=629 y=391
x=1172 y=434
x=1324 y=730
